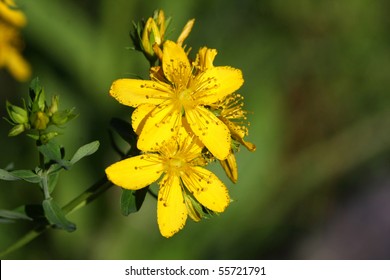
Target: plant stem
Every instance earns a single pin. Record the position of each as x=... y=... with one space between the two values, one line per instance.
x=83 y=199
x=29 y=236
x=88 y=196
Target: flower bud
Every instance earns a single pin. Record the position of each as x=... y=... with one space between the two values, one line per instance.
x=17 y=114
x=39 y=120
x=229 y=165
x=62 y=117
x=54 y=105
x=185 y=32
x=150 y=33
x=16 y=130
x=46 y=137
x=193 y=207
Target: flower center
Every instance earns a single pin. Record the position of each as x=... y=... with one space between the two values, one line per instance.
x=185 y=98
x=175 y=164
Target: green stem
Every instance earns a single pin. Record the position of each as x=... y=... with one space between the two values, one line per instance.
x=83 y=199
x=88 y=196
x=29 y=236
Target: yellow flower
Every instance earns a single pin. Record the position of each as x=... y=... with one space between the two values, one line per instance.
x=233 y=115
x=10 y=43
x=179 y=163
x=12 y=16
x=230 y=111
x=179 y=94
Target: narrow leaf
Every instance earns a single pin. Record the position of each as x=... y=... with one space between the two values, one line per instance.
x=7 y=176
x=6 y=221
x=131 y=201
x=52 y=179
x=13 y=215
x=84 y=151
x=56 y=217
x=27 y=175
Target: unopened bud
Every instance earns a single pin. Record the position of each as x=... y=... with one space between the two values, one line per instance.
x=39 y=120
x=229 y=165
x=44 y=138
x=17 y=114
x=193 y=208
x=62 y=117
x=16 y=130
x=54 y=105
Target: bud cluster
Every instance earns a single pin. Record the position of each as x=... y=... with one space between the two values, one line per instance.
x=36 y=116
x=148 y=33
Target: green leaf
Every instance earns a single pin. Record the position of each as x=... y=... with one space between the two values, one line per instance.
x=56 y=217
x=131 y=201
x=52 y=151
x=52 y=179
x=37 y=96
x=84 y=151
x=13 y=215
x=24 y=212
x=33 y=136
x=7 y=176
x=27 y=175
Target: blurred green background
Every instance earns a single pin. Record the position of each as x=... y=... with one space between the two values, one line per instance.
x=317 y=80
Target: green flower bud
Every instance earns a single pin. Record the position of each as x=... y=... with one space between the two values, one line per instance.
x=44 y=138
x=16 y=130
x=37 y=96
x=54 y=105
x=39 y=120
x=151 y=32
x=62 y=117
x=17 y=114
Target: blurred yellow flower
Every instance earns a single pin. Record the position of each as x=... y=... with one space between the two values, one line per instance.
x=179 y=94
x=181 y=161
x=11 y=20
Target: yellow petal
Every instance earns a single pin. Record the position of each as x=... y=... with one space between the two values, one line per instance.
x=205 y=58
x=217 y=83
x=161 y=125
x=176 y=67
x=9 y=13
x=133 y=92
x=171 y=209
x=18 y=66
x=185 y=32
x=136 y=172
x=189 y=142
x=206 y=188
x=139 y=116
x=211 y=131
